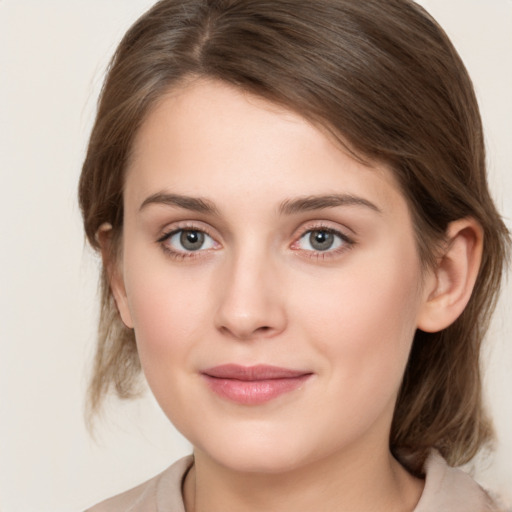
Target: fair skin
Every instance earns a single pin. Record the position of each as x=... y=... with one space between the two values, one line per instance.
x=251 y=238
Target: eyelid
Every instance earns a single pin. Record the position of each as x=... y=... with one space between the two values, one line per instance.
x=168 y=232
x=323 y=225
x=185 y=225
x=340 y=231
x=348 y=241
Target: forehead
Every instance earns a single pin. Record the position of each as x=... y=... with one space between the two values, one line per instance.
x=209 y=133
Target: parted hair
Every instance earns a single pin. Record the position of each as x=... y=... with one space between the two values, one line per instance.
x=383 y=77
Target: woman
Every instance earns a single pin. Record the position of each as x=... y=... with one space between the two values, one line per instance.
x=300 y=252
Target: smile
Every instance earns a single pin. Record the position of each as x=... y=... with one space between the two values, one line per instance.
x=253 y=385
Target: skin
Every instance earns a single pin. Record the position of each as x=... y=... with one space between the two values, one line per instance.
x=257 y=292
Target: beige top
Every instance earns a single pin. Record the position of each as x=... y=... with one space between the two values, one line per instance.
x=446 y=490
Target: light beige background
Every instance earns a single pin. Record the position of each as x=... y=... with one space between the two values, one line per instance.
x=53 y=54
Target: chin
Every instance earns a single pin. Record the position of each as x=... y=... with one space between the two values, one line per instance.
x=259 y=461
x=258 y=452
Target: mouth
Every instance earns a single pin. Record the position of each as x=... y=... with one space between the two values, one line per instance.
x=253 y=385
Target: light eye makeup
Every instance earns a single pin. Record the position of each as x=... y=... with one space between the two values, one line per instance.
x=314 y=241
x=322 y=242
x=187 y=242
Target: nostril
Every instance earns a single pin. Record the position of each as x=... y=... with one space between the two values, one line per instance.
x=247 y=334
x=263 y=329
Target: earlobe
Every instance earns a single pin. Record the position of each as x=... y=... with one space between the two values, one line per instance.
x=113 y=269
x=451 y=282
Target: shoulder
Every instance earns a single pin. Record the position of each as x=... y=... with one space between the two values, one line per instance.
x=452 y=489
x=162 y=492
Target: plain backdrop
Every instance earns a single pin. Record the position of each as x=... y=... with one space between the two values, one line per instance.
x=53 y=55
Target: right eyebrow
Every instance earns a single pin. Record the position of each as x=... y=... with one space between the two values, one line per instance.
x=195 y=204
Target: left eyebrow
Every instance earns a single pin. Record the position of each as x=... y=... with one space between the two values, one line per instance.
x=310 y=203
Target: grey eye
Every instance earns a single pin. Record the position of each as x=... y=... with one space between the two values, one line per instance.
x=189 y=240
x=192 y=240
x=321 y=240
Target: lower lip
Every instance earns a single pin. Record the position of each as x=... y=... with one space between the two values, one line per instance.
x=254 y=392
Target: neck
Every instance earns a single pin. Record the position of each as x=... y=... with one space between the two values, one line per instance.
x=375 y=482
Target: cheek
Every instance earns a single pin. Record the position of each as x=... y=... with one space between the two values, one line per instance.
x=168 y=313
x=364 y=321
x=167 y=307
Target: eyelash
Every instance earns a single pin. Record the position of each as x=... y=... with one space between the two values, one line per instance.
x=347 y=242
x=181 y=255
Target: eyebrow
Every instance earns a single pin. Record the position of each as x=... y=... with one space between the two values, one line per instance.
x=310 y=203
x=195 y=204
x=288 y=207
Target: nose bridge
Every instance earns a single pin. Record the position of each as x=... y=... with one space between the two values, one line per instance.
x=250 y=304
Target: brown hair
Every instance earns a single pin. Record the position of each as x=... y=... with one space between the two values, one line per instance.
x=384 y=77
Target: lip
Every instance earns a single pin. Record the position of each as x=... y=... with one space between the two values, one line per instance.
x=253 y=385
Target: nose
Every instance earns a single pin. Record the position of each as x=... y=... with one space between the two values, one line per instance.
x=251 y=301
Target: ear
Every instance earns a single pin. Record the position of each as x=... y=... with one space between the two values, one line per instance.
x=113 y=266
x=449 y=286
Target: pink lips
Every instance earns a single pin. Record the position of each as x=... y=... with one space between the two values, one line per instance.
x=252 y=385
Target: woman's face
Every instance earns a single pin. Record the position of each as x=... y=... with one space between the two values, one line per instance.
x=273 y=282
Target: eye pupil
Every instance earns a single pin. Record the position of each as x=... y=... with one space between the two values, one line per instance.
x=192 y=240
x=321 y=240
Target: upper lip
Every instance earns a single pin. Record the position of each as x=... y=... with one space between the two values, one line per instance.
x=253 y=373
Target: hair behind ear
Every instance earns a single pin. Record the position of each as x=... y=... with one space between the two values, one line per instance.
x=116 y=365
x=440 y=403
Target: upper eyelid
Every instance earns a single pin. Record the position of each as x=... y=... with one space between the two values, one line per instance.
x=327 y=223
x=170 y=229
x=322 y=228
x=346 y=239
x=305 y=227
x=327 y=226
